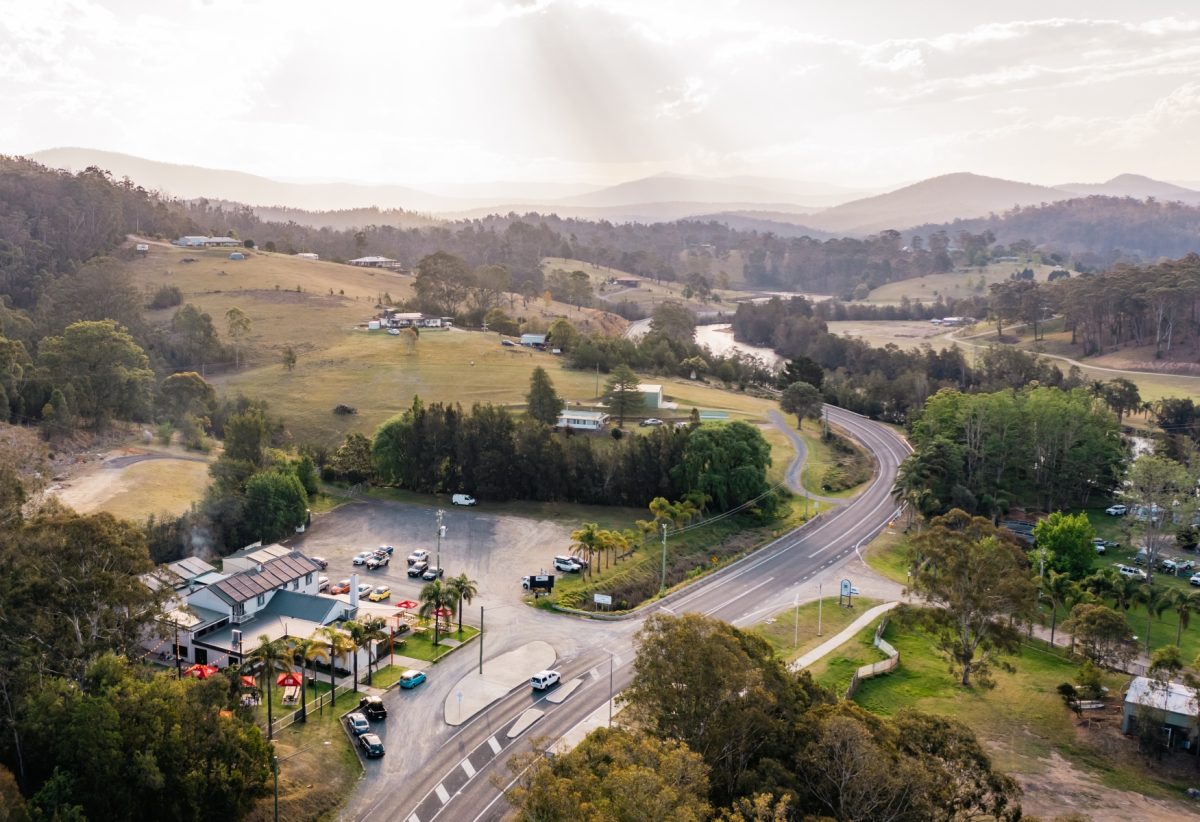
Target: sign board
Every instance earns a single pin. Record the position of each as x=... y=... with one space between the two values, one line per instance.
x=603 y=599
x=541 y=582
x=845 y=588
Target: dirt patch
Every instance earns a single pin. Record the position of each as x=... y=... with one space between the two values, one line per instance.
x=132 y=482
x=1061 y=789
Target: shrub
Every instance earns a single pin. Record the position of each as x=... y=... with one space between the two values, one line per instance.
x=168 y=296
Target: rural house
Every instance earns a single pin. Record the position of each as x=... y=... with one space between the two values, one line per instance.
x=378 y=262
x=582 y=420
x=652 y=396
x=1170 y=705
x=537 y=341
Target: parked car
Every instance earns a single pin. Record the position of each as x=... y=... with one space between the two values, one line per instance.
x=544 y=679
x=1117 y=510
x=1194 y=579
x=343 y=587
x=372 y=707
x=462 y=499
x=371 y=745
x=1176 y=566
x=324 y=563
x=361 y=557
x=1130 y=571
x=580 y=561
x=358 y=723
x=1099 y=545
x=567 y=564
x=322 y=583
x=650 y=421
x=525 y=583
x=378 y=562
x=380 y=593
x=418 y=568
x=411 y=679
x=364 y=588
x=432 y=573
x=419 y=555
x=1142 y=557
x=385 y=549
x=508 y=343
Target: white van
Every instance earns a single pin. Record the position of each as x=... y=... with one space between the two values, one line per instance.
x=462 y=499
x=543 y=680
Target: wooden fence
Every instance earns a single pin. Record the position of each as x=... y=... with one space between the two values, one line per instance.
x=875 y=668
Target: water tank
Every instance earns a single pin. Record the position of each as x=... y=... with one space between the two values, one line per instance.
x=373 y=325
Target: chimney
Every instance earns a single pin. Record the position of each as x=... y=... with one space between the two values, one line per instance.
x=354 y=592
x=260 y=567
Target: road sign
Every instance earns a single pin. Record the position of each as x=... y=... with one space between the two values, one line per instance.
x=846 y=593
x=541 y=582
x=603 y=599
x=845 y=587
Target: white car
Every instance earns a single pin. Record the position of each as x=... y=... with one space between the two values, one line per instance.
x=1117 y=510
x=1130 y=571
x=567 y=564
x=543 y=680
x=1195 y=579
x=462 y=499
x=361 y=557
x=650 y=421
x=419 y=555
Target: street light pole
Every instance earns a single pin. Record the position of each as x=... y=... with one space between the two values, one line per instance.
x=610 y=687
x=663 y=586
x=820 y=602
x=441 y=529
x=481 y=640
x=796 y=622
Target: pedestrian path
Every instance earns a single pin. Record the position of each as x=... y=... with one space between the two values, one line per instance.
x=501 y=674
x=842 y=637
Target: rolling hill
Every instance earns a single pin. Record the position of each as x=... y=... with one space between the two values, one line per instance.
x=936 y=200
x=1136 y=186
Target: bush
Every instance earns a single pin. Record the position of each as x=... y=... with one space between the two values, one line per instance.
x=168 y=296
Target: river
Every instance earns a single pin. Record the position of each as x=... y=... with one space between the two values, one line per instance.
x=718 y=337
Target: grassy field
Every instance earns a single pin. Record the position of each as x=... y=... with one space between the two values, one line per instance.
x=155 y=486
x=957 y=284
x=823 y=458
x=901 y=333
x=837 y=670
x=786 y=627
x=887 y=554
x=648 y=294
x=420 y=645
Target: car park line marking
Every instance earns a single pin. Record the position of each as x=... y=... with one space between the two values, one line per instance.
x=414 y=818
x=495 y=744
x=442 y=793
x=468 y=768
x=595 y=672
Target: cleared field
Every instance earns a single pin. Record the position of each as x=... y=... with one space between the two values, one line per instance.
x=956 y=284
x=134 y=491
x=648 y=294
x=902 y=333
x=309 y=305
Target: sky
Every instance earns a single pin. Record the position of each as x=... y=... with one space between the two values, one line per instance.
x=853 y=93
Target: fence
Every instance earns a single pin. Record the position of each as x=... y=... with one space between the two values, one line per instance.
x=313 y=705
x=875 y=668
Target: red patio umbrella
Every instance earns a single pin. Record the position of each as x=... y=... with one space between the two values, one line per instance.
x=201 y=671
x=406 y=604
x=289 y=679
x=249 y=682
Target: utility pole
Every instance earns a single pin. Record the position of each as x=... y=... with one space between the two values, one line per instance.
x=481 y=640
x=663 y=586
x=610 y=687
x=820 y=602
x=441 y=531
x=796 y=622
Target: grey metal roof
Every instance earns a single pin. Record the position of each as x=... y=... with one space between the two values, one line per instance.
x=190 y=568
x=311 y=607
x=246 y=585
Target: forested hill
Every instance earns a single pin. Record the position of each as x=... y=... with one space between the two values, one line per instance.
x=1097 y=231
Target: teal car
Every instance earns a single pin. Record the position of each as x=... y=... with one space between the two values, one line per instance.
x=411 y=679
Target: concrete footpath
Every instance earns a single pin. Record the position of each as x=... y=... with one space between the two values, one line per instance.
x=476 y=691
x=842 y=637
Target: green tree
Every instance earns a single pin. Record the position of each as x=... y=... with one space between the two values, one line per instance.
x=588 y=538
x=562 y=334
x=238 y=325
x=622 y=394
x=442 y=283
x=497 y=320
x=289 y=358
x=193 y=339
x=614 y=774
x=544 y=403
x=435 y=596
x=1102 y=634
x=1185 y=604
x=271 y=657
x=339 y=646
x=803 y=400
x=463 y=589
x=1058 y=588
x=375 y=630
x=1156 y=601
x=978 y=579
x=1067 y=539
x=352 y=461
x=801 y=369
x=357 y=633
x=727 y=462
x=1159 y=489
x=276 y=503
x=672 y=321
x=186 y=393
x=304 y=649
x=108 y=373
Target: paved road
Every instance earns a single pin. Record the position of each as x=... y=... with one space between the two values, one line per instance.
x=461 y=778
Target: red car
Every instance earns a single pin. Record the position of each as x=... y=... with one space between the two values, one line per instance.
x=343 y=587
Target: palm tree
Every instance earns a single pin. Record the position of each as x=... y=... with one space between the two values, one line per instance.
x=434 y=597
x=272 y=655
x=339 y=646
x=1057 y=589
x=1156 y=601
x=316 y=651
x=303 y=648
x=374 y=632
x=1185 y=604
x=465 y=589
x=588 y=538
x=357 y=638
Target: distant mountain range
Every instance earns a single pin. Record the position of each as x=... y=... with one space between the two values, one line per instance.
x=786 y=207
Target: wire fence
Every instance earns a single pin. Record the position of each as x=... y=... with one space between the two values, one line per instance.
x=316 y=704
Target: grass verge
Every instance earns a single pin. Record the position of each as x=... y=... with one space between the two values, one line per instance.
x=420 y=645
x=794 y=632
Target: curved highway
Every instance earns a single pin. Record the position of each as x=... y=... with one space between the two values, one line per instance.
x=462 y=780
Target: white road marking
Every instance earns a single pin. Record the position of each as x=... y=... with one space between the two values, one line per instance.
x=495 y=745
x=442 y=793
x=414 y=818
x=595 y=672
x=739 y=596
x=468 y=768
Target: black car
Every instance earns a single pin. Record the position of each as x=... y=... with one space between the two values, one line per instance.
x=417 y=568
x=372 y=745
x=373 y=707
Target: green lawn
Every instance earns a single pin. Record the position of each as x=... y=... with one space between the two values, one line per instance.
x=887 y=554
x=387 y=675
x=784 y=628
x=822 y=456
x=1022 y=718
x=420 y=645
x=836 y=670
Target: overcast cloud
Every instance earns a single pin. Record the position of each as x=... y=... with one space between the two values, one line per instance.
x=855 y=93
